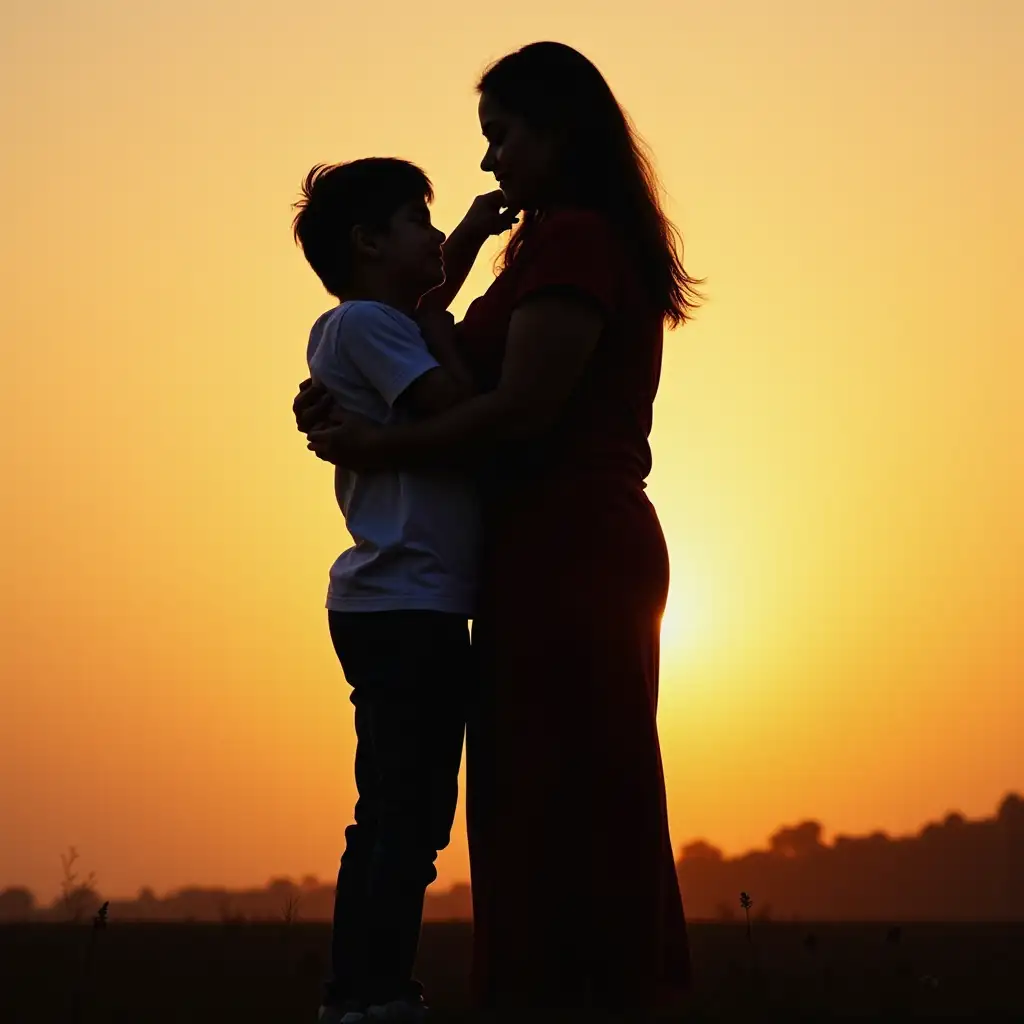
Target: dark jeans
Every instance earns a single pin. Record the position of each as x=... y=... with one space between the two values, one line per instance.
x=409 y=672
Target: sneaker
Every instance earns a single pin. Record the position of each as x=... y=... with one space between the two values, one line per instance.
x=347 y=1013
x=398 y=1011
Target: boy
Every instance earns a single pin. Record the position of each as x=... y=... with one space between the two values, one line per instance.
x=400 y=598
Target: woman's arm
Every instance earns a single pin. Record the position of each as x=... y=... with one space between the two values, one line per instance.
x=435 y=391
x=486 y=217
x=551 y=337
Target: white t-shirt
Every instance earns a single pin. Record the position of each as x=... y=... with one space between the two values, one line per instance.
x=415 y=533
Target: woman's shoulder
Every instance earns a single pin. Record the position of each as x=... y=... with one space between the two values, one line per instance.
x=574 y=234
x=573 y=248
x=575 y=223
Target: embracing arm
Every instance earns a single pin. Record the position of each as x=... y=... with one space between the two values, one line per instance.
x=551 y=337
x=486 y=217
x=460 y=249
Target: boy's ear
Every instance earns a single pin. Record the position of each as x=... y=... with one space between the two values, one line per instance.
x=364 y=241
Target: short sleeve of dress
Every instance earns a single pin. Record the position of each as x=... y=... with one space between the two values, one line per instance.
x=573 y=250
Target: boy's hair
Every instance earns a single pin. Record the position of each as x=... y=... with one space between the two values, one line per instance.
x=337 y=197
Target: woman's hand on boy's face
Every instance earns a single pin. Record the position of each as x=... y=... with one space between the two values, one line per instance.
x=488 y=214
x=312 y=406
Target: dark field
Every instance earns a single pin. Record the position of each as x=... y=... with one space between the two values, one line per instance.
x=270 y=972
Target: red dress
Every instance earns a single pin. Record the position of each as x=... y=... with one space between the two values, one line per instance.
x=575 y=895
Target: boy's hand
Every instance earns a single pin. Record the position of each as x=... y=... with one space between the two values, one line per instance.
x=312 y=406
x=490 y=215
x=345 y=442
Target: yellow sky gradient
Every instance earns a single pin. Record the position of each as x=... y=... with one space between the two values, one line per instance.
x=839 y=440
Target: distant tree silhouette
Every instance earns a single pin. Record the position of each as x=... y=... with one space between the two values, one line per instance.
x=1011 y=810
x=17 y=904
x=957 y=869
x=287 y=896
x=281 y=888
x=701 y=850
x=954 y=870
x=803 y=840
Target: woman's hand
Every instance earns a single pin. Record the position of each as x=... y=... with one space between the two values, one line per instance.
x=346 y=441
x=312 y=406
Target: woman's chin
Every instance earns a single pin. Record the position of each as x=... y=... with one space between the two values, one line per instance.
x=512 y=199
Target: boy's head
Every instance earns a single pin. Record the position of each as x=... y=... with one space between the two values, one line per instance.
x=369 y=220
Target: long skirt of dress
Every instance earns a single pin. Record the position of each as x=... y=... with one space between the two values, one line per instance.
x=575 y=896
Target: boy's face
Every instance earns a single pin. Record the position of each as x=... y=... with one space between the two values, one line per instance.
x=411 y=247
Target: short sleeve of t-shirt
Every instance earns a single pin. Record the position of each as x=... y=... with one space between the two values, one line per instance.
x=573 y=250
x=384 y=345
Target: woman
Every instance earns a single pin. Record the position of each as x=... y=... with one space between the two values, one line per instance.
x=575 y=895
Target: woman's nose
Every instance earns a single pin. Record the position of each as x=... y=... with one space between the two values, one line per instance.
x=487 y=164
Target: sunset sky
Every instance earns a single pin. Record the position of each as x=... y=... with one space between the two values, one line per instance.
x=839 y=439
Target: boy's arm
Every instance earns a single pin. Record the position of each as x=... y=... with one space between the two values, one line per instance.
x=486 y=217
x=453 y=382
x=450 y=383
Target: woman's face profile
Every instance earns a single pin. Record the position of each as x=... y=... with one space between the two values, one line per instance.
x=518 y=156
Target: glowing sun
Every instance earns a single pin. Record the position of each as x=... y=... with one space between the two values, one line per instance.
x=681 y=622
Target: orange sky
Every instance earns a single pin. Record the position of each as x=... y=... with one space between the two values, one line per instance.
x=839 y=444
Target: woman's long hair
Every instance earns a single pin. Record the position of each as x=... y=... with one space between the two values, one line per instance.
x=602 y=163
